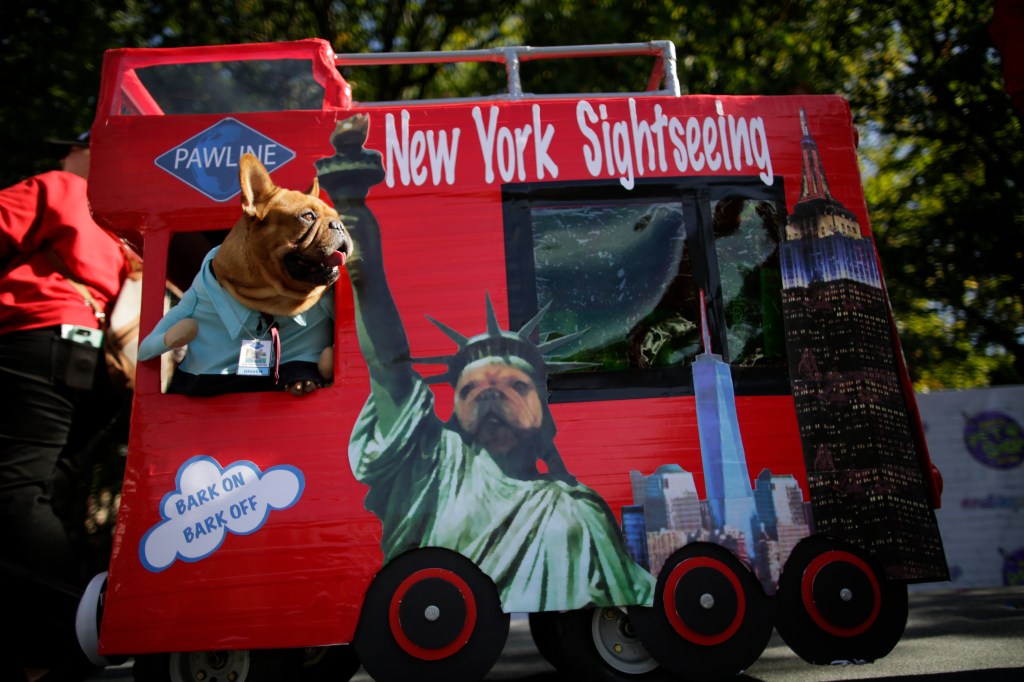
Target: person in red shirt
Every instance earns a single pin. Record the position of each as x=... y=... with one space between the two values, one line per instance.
x=53 y=397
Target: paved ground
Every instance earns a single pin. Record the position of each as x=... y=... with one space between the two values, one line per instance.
x=951 y=636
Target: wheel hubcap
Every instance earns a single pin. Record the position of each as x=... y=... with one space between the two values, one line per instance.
x=704 y=601
x=617 y=643
x=841 y=593
x=210 y=666
x=432 y=614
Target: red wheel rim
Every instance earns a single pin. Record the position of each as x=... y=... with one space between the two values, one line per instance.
x=395 y=621
x=807 y=592
x=669 y=604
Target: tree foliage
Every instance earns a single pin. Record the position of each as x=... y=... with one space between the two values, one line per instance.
x=50 y=58
x=942 y=147
x=945 y=190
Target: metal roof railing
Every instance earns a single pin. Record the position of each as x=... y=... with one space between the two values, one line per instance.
x=663 y=79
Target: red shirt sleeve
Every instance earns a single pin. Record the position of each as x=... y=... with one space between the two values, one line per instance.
x=53 y=208
x=19 y=208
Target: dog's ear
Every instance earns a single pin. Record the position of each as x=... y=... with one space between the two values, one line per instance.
x=256 y=186
x=314 y=190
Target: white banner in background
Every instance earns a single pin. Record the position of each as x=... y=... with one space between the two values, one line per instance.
x=976 y=439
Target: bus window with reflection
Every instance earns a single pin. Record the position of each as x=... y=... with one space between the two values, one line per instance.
x=622 y=274
x=747 y=237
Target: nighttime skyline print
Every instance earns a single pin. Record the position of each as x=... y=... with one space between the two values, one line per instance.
x=863 y=472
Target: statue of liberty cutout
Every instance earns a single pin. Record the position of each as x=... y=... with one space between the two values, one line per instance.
x=488 y=483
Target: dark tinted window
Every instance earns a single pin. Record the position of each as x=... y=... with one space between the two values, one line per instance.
x=233 y=87
x=627 y=268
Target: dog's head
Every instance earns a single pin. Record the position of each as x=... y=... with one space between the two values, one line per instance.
x=497 y=403
x=286 y=248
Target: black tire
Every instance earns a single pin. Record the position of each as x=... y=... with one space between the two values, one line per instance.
x=430 y=614
x=545 y=630
x=710 y=619
x=329 y=664
x=835 y=605
x=258 y=665
x=600 y=645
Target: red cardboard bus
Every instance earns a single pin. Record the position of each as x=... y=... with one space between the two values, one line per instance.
x=712 y=429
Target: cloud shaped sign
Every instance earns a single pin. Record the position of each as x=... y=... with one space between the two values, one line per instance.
x=210 y=502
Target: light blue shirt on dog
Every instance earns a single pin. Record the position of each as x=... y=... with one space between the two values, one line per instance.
x=224 y=324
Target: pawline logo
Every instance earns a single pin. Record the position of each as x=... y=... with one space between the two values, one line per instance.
x=208 y=161
x=994 y=439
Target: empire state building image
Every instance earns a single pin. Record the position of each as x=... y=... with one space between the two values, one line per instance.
x=862 y=468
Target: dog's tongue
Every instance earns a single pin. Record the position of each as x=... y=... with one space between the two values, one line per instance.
x=336 y=259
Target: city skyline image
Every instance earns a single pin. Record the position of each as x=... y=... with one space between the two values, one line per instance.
x=864 y=479
x=863 y=472
x=760 y=524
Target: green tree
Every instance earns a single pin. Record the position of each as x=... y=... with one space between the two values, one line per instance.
x=50 y=58
x=350 y=27
x=946 y=160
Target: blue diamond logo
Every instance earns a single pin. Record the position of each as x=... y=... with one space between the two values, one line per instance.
x=208 y=161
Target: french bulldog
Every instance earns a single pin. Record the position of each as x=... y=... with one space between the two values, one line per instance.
x=271 y=277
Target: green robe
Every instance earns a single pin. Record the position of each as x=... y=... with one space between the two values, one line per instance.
x=547 y=545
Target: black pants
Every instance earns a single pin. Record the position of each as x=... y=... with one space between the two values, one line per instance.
x=52 y=398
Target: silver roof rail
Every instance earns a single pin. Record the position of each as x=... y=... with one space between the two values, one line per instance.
x=663 y=79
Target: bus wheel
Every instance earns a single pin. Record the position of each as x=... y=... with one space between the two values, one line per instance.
x=601 y=644
x=834 y=604
x=329 y=663
x=546 y=631
x=269 y=665
x=430 y=614
x=710 y=618
x=87 y=620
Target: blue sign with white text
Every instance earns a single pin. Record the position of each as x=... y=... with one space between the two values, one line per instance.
x=208 y=161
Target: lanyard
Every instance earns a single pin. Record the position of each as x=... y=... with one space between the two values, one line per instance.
x=275 y=340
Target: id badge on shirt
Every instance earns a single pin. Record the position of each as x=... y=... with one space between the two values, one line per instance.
x=255 y=358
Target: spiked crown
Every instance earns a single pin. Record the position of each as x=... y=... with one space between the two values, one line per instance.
x=498 y=342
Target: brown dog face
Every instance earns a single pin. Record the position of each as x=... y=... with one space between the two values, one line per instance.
x=497 y=404
x=285 y=250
